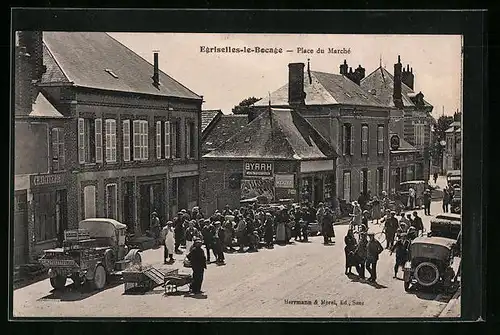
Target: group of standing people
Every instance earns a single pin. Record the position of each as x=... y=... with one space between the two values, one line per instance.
x=362 y=253
x=448 y=193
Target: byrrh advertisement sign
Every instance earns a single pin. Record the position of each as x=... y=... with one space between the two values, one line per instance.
x=258 y=169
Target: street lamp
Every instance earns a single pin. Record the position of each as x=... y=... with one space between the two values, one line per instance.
x=443 y=145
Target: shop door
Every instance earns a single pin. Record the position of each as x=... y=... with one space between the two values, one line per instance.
x=128 y=205
x=145 y=207
x=157 y=200
x=21 y=250
x=182 y=194
x=397 y=179
x=318 y=190
x=61 y=215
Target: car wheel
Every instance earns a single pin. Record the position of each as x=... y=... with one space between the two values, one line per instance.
x=427 y=274
x=99 y=277
x=58 y=282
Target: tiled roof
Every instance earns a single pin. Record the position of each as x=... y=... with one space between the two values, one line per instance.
x=281 y=134
x=381 y=83
x=208 y=116
x=223 y=128
x=43 y=108
x=325 y=89
x=84 y=57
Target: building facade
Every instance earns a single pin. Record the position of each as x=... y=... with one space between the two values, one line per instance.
x=397 y=91
x=452 y=154
x=132 y=134
x=355 y=123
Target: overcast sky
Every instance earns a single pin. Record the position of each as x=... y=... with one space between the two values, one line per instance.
x=224 y=79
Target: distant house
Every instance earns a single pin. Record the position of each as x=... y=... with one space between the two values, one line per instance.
x=354 y=122
x=452 y=155
x=209 y=117
x=132 y=139
x=220 y=129
x=270 y=156
x=414 y=125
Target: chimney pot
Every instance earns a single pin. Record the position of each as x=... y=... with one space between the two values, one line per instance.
x=296 y=95
x=399 y=59
x=156 y=71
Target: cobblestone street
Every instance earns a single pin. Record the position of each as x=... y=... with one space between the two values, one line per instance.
x=252 y=285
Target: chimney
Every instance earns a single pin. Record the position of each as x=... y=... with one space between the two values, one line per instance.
x=32 y=42
x=343 y=68
x=397 y=97
x=407 y=77
x=296 y=94
x=156 y=71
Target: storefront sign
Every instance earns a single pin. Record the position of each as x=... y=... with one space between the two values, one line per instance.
x=316 y=166
x=258 y=169
x=284 y=181
x=408 y=158
x=46 y=179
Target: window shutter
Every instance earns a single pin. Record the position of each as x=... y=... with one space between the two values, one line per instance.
x=384 y=183
x=369 y=187
x=377 y=183
x=158 y=139
x=137 y=139
x=113 y=140
x=55 y=149
x=107 y=139
x=81 y=140
x=126 y=140
x=352 y=141
x=188 y=140
x=146 y=143
x=361 y=181
x=98 y=140
x=61 y=153
x=167 y=139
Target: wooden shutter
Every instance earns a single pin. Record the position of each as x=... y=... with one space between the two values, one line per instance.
x=146 y=141
x=137 y=138
x=107 y=139
x=81 y=140
x=158 y=139
x=377 y=182
x=167 y=139
x=369 y=181
x=126 y=140
x=98 y=140
x=113 y=140
x=361 y=181
x=384 y=183
x=352 y=140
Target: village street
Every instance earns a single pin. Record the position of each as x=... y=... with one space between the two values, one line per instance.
x=252 y=285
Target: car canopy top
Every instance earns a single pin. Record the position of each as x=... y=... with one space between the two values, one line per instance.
x=454 y=173
x=100 y=227
x=439 y=241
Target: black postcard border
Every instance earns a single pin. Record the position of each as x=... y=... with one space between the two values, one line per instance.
x=470 y=24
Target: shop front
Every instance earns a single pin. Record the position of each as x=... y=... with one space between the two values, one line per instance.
x=404 y=167
x=317 y=182
x=184 y=188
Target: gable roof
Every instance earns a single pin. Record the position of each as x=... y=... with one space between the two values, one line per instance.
x=281 y=134
x=42 y=108
x=83 y=59
x=325 y=89
x=208 y=116
x=224 y=127
x=381 y=82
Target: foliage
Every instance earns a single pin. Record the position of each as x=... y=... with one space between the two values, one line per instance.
x=244 y=106
x=442 y=124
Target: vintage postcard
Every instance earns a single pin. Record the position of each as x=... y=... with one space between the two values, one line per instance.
x=236 y=175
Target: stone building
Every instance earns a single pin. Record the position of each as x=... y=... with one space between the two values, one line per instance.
x=278 y=155
x=354 y=122
x=132 y=138
x=452 y=154
x=397 y=91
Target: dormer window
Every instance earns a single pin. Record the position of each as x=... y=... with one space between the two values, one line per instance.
x=111 y=73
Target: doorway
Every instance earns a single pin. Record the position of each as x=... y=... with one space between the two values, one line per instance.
x=61 y=215
x=318 y=190
x=21 y=241
x=129 y=205
x=151 y=199
x=364 y=181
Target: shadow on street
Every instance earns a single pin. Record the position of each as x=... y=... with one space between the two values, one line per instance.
x=356 y=279
x=72 y=293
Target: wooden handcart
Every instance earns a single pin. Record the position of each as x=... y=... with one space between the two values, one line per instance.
x=143 y=279
x=175 y=280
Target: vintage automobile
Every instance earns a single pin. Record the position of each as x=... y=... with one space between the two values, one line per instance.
x=404 y=191
x=456 y=201
x=454 y=177
x=90 y=254
x=430 y=263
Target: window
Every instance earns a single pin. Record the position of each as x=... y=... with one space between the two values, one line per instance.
x=44 y=215
x=410 y=172
x=364 y=180
x=158 y=139
x=175 y=143
x=419 y=134
x=167 y=139
x=190 y=140
x=348 y=140
x=111 y=201
x=89 y=140
x=380 y=180
x=89 y=201
x=110 y=141
x=380 y=140
x=347 y=186
x=364 y=139
x=140 y=140
x=57 y=149
x=126 y=140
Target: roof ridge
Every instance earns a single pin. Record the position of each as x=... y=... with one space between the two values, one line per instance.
x=145 y=60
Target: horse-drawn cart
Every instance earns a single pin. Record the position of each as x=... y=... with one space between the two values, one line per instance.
x=143 y=279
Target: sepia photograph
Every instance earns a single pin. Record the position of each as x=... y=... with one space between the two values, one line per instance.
x=236 y=175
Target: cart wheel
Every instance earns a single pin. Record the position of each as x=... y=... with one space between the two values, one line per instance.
x=99 y=277
x=58 y=282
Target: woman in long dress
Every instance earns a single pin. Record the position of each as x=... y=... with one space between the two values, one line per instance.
x=350 y=248
x=280 y=230
x=169 y=242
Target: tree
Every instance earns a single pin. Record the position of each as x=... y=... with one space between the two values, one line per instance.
x=440 y=126
x=244 y=106
x=457 y=116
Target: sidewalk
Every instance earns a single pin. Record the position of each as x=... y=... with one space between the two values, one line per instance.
x=453 y=308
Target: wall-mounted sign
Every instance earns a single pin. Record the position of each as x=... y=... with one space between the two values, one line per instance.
x=258 y=169
x=408 y=158
x=394 y=142
x=284 y=181
x=251 y=188
x=46 y=179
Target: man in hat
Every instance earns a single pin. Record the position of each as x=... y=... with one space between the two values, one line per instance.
x=218 y=243
x=268 y=230
x=227 y=211
x=208 y=233
x=154 y=226
x=327 y=226
x=373 y=250
x=411 y=198
x=198 y=263
x=320 y=212
x=178 y=225
x=401 y=249
x=360 y=255
x=364 y=219
x=167 y=236
x=191 y=233
x=427 y=202
x=417 y=223
x=390 y=228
